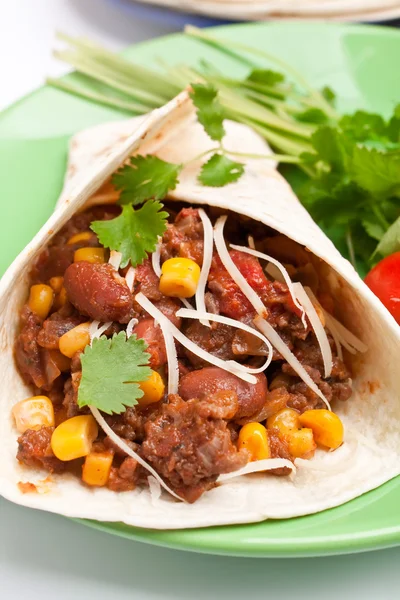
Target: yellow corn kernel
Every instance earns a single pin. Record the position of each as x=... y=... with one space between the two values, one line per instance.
x=253 y=437
x=41 y=299
x=80 y=237
x=301 y=443
x=74 y=340
x=286 y=420
x=179 y=277
x=326 y=426
x=33 y=413
x=153 y=389
x=97 y=467
x=92 y=255
x=56 y=284
x=60 y=299
x=74 y=437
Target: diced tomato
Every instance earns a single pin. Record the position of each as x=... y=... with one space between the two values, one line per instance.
x=384 y=281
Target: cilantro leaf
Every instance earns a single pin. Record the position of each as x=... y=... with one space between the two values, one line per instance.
x=327 y=142
x=328 y=94
x=266 y=77
x=362 y=126
x=312 y=115
x=146 y=177
x=376 y=171
x=219 y=170
x=374 y=230
x=390 y=242
x=133 y=232
x=209 y=110
x=111 y=372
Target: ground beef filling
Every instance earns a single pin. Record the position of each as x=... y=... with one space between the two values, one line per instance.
x=190 y=438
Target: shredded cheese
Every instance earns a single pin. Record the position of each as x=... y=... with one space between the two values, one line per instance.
x=95 y=331
x=267 y=464
x=130 y=278
x=232 y=269
x=317 y=326
x=128 y=450
x=156 y=258
x=231 y=366
x=281 y=269
x=115 y=259
x=195 y=314
x=129 y=328
x=290 y=358
x=351 y=342
x=250 y=241
x=205 y=268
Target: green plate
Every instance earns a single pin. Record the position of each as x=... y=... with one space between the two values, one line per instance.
x=358 y=62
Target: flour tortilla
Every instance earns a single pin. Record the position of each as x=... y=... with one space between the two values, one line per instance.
x=370 y=454
x=342 y=10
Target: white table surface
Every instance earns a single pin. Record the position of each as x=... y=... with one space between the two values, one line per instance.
x=44 y=556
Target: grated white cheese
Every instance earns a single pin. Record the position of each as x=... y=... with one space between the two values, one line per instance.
x=205 y=268
x=290 y=358
x=281 y=269
x=231 y=366
x=128 y=450
x=195 y=314
x=232 y=269
x=317 y=326
x=267 y=464
x=130 y=277
x=115 y=259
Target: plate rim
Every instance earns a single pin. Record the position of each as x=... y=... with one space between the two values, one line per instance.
x=266 y=547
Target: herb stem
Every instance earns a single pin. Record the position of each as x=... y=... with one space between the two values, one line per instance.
x=350 y=247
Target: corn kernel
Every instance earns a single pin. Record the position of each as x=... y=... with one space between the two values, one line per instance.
x=326 y=426
x=286 y=420
x=74 y=340
x=56 y=284
x=92 y=255
x=80 y=237
x=74 y=437
x=253 y=437
x=301 y=443
x=97 y=467
x=153 y=389
x=41 y=299
x=60 y=299
x=179 y=277
x=33 y=413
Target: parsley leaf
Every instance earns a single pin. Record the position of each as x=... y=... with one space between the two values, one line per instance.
x=209 y=110
x=266 y=77
x=376 y=171
x=374 y=230
x=133 y=232
x=219 y=170
x=146 y=177
x=328 y=94
x=312 y=115
x=390 y=242
x=111 y=372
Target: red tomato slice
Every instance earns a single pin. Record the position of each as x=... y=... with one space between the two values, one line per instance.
x=384 y=281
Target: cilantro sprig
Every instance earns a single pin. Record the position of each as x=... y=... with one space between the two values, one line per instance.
x=112 y=369
x=355 y=192
x=133 y=232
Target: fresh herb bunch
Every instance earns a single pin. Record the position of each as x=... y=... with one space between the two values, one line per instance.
x=351 y=163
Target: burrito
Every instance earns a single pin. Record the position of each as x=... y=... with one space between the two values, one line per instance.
x=229 y=367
